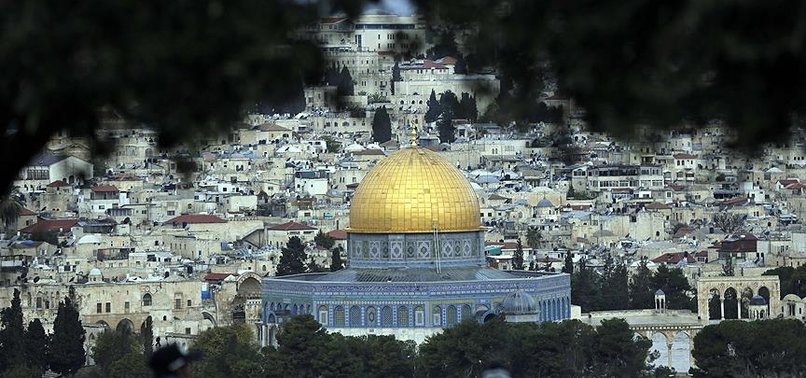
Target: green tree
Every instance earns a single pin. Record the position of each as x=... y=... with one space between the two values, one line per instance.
x=335 y=259
x=66 y=345
x=36 y=346
x=468 y=106
x=323 y=240
x=772 y=347
x=228 y=351
x=465 y=349
x=293 y=258
x=381 y=126
x=618 y=352
x=675 y=285
x=585 y=287
x=642 y=292
x=381 y=356
x=147 y=335
x=346 y=87
x=302 y=342
x=12 y=335
x=119 y=354
x=793 y=280
x=450 y=106
x=434 y=108
x=517 y=257
x=615 y=290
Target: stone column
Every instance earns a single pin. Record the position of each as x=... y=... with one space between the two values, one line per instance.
x=739 y=308
x=722 y=308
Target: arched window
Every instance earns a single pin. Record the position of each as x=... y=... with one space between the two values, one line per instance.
x=452 y=316
x=355 y=316
x=436 y=316
x=467 y=313
x=386 y=317
x=419 y=316
x=402 y=316
x=323 y=314
x=338 y=316
x=146 y=299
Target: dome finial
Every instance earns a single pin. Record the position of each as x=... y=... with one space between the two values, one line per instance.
x=413 y=136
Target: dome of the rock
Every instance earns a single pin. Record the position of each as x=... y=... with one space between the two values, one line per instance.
x=414 y=190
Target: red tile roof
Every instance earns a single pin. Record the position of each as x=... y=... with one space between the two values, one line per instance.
x=25 y=212
x=338 y=234
x=673 y=258
x=58 y=184
x=104 y=189
x=45 y=225
x=684 y=156
x=291 y=226
x=218 y=277
x=196 y=219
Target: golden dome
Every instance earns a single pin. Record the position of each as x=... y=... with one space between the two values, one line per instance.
x=414 y=190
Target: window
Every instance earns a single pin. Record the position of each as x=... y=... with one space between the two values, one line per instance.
x=338 y=316
x=323 y=315
x=187 y=330
x=402 y=316
x=126 y=307
x=147 y=299
x=98 y=308
x=436 y=316
x=355 y=316
x=419 y=316
x=190 y=303
x=177 y=303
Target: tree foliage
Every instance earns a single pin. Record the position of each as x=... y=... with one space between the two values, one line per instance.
x=293 y=258
x=678 y=63
x=793 y=280
x=120 y=354
x=336 y=262
x=36 y=346
x=345 y=86
x=381 y=126
x=450 y=110
x=770 y=348
x=66 y=348
x=12 y=335
x=566 y=349
x=434 y=108
x=228 y=351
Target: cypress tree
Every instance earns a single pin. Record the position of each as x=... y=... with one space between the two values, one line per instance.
x=293 y=258
x=469 y=109
x=345 y=86
x=147 y=334
x=67 y=353
x=335 y=259
x=36 y=345
x=12 y=334
x=434 y=108
x=517 y=258
x=381 y=126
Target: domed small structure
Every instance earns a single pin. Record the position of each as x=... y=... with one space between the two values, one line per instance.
x=758 y=308
x=519 y=307
x=519 y=302
x=545 y=203
x=758 y=300
x=95 y=275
